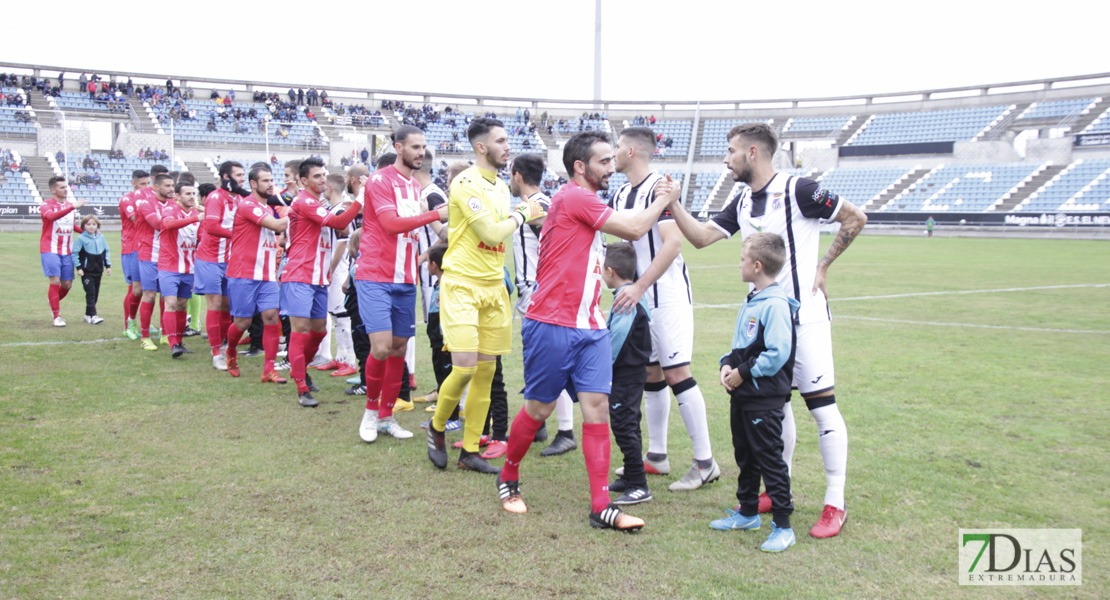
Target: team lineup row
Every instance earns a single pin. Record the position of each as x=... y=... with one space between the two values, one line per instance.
x=235 y=249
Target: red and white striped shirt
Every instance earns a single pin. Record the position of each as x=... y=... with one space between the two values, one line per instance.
x=385 y=257
x=178 y=239
x=312 y=239
x=57 y=227
x=572 y=255
x=219 y=216
x=148 y=219
x=254 y=249
x=126 y=214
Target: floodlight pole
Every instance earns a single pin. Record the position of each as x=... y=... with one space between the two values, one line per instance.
x=597 y=51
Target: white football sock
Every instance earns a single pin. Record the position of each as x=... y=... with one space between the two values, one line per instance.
x=324 y=351
x=564 y=411
x=691 y=405
x=789 y=437
x=833 y=441
x=344 y=345
x=410 y=356
x=657 y=412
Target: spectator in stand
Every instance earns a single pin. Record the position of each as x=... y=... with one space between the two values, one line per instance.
x=60 y=157
x=324 y=97
x=292 y=95
x=364 y=155
x=83 y=82
x=300 y=96
x=91 y=87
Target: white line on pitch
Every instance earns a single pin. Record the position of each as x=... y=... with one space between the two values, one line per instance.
x=949 y=293
x=976 y=325
x=60 y=342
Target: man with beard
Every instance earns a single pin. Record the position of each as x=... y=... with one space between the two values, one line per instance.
x=564 y=335
x=474 y=304
x=385 y=277
x=178 y=246
x=793 y=208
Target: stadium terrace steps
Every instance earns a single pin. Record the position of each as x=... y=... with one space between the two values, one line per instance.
x=999 y=128
x=200 y=170
x=1084 y=121
x=900 y=186
x=1026 y=189
x=41 y=172
x=615 y=127
x=546 y=138
x=144 y=122
x=43 y=112
x=853 y=129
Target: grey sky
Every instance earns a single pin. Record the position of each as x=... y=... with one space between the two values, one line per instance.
x=652 y=49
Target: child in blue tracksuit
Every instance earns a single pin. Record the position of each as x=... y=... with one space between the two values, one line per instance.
x=758 y=373
x=91 y=260
x=630 y=336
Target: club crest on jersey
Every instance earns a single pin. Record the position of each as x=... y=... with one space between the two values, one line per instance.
x=776 y=202
x=257 y=212
x=474 y=204
x=752 y=324
x=322 y=211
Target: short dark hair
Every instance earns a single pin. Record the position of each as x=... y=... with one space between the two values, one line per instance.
x=174 y=175
x=139 y=174
x=294 y=164
x=159 y=178
x=205 y=189
x=56 y=180
x=758 y=132
x=643 y=135
x=385 y=160
x=481 y=126
x=435 y=254
x=186 y=176
x=156 y=169
x=256 y=170
x=261 y=163
x=580 y=148
x=530 y=167
x=227 y=166
x=621 y=258
x=768 y=249
x=404 y=131
x=307 y=165
x=183 y=183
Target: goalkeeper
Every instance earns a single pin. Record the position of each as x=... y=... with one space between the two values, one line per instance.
x=475 y=313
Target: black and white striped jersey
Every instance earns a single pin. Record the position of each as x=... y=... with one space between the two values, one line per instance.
x=526 y=247
x=794 y=208
x=673 y=287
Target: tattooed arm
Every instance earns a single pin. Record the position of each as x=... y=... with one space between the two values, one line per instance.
x=851 y=220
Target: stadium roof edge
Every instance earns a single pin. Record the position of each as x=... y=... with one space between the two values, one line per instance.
x=987 y=89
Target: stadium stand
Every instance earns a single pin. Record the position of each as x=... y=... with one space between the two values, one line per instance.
x=1100 y=125
x=1057 y=109
x=861 y=185
x=1067 y=184
x=962 y=187
x=803 y=126
x=114 y=173
x=932 y=126
x=714 y=141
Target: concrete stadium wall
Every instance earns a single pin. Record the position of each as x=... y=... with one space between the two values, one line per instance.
x=74 y=141
x=1055 y=151
x=132 y=143
x=985 y=152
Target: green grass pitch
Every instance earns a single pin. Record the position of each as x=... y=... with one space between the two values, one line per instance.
x=124 y=474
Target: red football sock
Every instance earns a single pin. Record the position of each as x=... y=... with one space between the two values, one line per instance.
x=182 y=318
x=391 y=384
x=234 y=334
x=146 y=311
x=215 y=334
x=135 y=302
x=595 y=449
x=225 y=322
x=162 y=311
x=297 y=342
x=62 y=292
x=521 y=435
x=169 y=326
x=53 y=295
x=271 y=335
x=313 y=344
x=374 y=370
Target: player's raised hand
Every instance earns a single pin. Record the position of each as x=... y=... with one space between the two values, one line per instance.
x=80 y=203
x=530 y=210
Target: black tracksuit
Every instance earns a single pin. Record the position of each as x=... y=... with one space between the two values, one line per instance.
x=631 y=338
